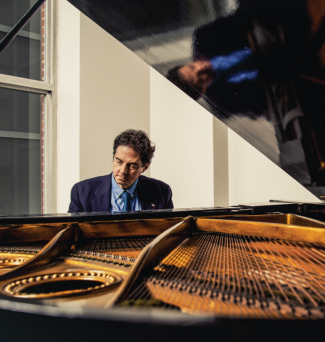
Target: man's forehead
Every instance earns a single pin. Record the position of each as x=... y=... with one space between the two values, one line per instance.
x=127 y=153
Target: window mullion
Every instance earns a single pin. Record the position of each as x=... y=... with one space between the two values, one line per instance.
x=25 y=84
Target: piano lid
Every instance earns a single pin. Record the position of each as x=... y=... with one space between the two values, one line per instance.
x=259 y=66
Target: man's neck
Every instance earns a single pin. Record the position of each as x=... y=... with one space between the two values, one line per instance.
x=122 y=186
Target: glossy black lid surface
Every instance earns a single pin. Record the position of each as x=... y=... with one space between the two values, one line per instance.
x=115 y=216
x=259 y=66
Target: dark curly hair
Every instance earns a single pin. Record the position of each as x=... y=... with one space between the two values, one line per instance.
x=175 y=77
x=137 y=140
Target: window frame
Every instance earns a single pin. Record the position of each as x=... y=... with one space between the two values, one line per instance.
x=47 y=88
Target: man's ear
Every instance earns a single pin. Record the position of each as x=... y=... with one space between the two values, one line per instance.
x=146 y=167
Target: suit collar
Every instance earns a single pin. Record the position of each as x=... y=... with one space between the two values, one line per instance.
x=103 y=193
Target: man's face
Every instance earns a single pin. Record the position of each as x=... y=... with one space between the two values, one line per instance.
x=127 y=166
x=199 y=74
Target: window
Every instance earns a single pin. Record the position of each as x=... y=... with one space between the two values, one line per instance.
x=26 y=90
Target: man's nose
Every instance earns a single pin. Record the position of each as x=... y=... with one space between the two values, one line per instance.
x=124 y=169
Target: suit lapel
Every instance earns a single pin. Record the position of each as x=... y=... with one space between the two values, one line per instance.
x=103 y=193
x=144 y=195
x=103 y=200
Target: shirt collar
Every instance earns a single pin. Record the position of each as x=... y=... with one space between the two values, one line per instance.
x=118 y=190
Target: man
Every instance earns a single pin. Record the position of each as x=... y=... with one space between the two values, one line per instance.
x=124 y=189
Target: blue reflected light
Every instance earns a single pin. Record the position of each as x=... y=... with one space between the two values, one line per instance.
x=225 y=62
x=235 y=67
x=248 y=75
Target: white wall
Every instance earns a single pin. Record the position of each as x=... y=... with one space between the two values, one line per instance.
x=183 y=133
x=103 y=89
x=68 y=102
x=254 y=178
x=114 y=96
x=221 y=164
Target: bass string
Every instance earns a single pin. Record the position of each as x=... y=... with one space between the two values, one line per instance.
x=286 y=276
x=302 y=266
x=262 y=308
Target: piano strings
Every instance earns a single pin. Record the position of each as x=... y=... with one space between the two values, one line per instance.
x=30 y=248
x=122 y=251
x=234 y=275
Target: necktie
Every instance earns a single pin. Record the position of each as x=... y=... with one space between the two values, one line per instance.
x=127 y=201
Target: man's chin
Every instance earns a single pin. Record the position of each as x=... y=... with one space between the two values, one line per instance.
x=122 y=183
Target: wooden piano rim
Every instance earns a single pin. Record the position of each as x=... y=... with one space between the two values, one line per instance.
x=292 y=232
x=292 y=219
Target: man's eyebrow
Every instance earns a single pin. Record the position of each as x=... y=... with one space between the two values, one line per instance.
x=128 y=163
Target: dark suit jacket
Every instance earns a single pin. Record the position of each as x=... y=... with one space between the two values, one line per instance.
x=94 y=194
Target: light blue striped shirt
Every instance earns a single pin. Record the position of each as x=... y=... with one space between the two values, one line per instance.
x=117 y=203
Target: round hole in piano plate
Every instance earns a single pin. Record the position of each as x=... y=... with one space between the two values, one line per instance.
x=61 y=286
x=54 y=286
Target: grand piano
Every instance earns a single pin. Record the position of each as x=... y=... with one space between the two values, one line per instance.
x=251 y=271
